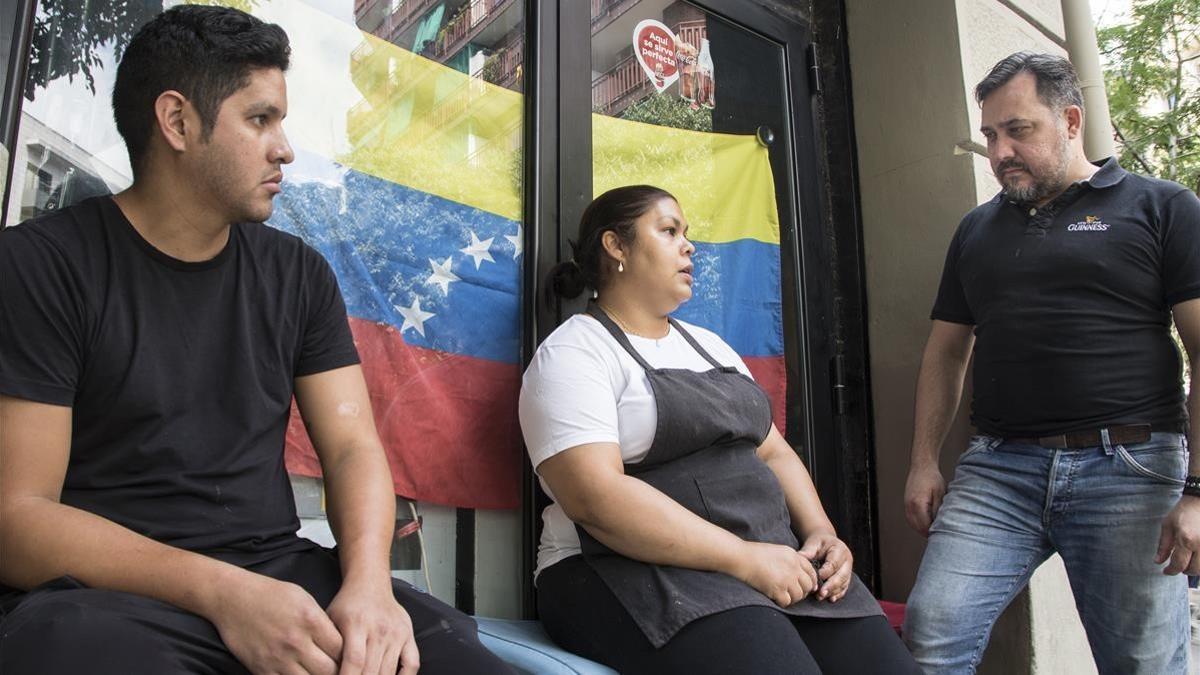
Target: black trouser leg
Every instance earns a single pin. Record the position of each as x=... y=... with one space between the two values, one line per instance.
x=84 y=630
x=863 y=646
x=584 y=617
x=68 y=628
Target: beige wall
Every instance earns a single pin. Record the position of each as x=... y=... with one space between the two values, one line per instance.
x=910 y=110
x=914 y=66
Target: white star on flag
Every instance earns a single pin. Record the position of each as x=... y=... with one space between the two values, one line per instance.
x=518 y=241
x=479 y=249
x=442 y=276
x=414 y=317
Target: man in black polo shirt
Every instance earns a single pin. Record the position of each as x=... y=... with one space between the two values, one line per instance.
x=1064 y=287
x=150 y=347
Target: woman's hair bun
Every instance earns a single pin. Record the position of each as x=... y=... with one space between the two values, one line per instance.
x=566 y=280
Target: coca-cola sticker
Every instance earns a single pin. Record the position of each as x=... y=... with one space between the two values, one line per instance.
x=654 y=47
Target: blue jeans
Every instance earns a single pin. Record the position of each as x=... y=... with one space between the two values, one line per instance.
x=1010 y=506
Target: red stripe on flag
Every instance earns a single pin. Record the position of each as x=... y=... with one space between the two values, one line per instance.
x=448 y=422
x=770 y=372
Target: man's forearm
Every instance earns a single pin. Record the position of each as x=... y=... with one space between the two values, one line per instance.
x=43 y=539
x=939 y=390
x=362 y=513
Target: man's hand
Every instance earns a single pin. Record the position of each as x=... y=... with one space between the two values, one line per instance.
x=376 y=631
x=923 y=496
x=837 y=564
x=1180 y=538
x=276 y=627
x=778 y=572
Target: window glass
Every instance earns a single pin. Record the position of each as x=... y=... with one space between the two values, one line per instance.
x=406 y=119
x=691 y=103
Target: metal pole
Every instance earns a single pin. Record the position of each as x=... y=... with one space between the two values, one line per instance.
x=1085 y=55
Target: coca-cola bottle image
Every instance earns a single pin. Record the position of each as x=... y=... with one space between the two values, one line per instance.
x=685 y=55
x=705 y=85
x=660 y=80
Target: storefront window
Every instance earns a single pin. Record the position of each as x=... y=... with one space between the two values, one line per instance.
x=406 y=118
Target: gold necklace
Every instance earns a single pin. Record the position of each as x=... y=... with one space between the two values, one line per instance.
x=625 y=327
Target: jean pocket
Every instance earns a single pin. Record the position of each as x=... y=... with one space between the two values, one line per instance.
x=1164 y=463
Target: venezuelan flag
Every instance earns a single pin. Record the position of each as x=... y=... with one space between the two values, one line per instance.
x=408 y=180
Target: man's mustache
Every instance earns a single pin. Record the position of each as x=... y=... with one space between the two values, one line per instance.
x=1010 y=164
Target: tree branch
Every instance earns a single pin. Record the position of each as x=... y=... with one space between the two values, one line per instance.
x=1127 y=147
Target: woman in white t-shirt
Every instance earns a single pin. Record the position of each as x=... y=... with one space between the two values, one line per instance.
x=685 y=533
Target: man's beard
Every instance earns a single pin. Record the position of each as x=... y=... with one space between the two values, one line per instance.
x=1044 y=184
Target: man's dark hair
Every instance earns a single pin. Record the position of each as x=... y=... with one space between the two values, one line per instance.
x=205 y=53
x=1057 y=83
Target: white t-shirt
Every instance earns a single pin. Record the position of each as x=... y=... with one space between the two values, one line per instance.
x=583 y=387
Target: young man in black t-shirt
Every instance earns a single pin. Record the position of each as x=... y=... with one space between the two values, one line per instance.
x=151 y=346
x=1064 y=287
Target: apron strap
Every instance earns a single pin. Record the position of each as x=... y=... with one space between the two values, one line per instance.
x=696 y=345
x=619 y=335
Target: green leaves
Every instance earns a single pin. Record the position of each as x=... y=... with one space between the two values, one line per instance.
x=1152 y=75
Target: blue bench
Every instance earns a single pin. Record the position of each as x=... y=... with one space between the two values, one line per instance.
x=525 y=646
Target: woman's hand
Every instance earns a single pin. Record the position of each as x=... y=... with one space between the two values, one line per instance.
x=837 y=564
x=779 y=572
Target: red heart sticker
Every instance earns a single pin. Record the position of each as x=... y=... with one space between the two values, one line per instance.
x=654 y=47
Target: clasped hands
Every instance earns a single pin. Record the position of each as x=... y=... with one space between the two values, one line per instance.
x=277 y=627
x=824 y=566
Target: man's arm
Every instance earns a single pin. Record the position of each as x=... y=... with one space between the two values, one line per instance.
x=43 y=539
x=1180 y=537
x=939 y=389
x=376 y=630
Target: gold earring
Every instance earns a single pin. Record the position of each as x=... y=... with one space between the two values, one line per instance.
x=620 y=266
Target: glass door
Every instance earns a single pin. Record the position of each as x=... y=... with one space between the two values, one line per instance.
x=692 y=103
x=687 y=100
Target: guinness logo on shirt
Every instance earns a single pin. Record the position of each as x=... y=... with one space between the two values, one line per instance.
x=1089 y=224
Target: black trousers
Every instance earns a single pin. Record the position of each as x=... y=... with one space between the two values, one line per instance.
x=584 y=617
x=65 y=627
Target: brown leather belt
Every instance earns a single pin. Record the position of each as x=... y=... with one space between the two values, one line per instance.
x=1118 y=435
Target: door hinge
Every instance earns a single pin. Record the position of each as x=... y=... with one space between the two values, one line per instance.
x=814 y=69
x=841 y=391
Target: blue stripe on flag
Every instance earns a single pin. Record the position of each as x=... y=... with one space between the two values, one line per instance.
x=736 y=295
x=380 y=237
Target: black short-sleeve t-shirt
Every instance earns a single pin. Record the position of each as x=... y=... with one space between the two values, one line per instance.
x=1071 y=304
x=179 y=374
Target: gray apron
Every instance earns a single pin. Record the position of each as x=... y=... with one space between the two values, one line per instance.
x=703 y=456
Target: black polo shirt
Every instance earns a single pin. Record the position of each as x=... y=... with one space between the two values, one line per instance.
x=1071 y=304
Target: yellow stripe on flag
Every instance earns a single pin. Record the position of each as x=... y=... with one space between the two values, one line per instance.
x=387 y=112
x=435 y=129
x=723 y=181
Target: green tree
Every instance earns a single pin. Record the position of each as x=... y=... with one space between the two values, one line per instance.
x=67 y=35
x=666 y=110
x=1153 y=82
